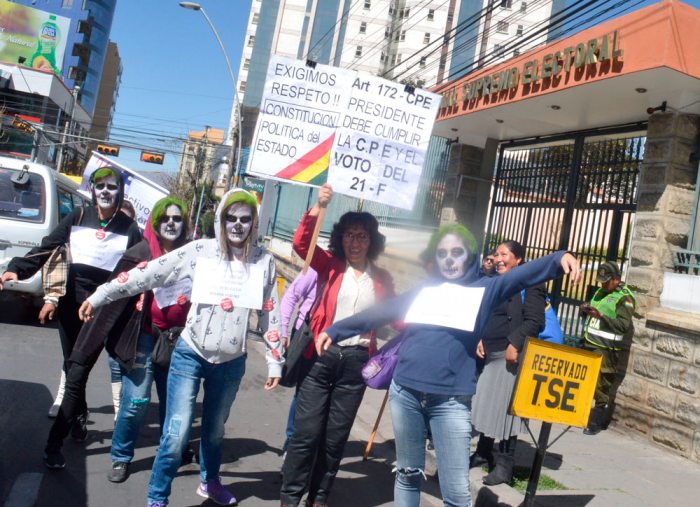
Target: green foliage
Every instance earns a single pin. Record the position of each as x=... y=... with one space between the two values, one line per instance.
x=522 y=474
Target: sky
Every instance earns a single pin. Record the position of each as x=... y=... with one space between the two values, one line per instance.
x=174 y=77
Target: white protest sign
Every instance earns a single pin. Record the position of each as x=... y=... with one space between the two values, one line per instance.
x=172 y=294
x=447 y=305
x=96 y=247
x=217 y=280
x=138 y=190
x=300 y=111
x=380 y=148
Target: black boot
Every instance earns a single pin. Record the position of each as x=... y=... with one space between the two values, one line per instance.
x=483 y=454
x=595 y=421
x=505 y=458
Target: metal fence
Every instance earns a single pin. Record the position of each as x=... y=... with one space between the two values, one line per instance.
x=577 y=193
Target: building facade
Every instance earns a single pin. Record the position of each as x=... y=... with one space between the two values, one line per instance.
x=107 y=94
x=591 y=144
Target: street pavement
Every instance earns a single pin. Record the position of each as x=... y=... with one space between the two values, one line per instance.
x=610 y=469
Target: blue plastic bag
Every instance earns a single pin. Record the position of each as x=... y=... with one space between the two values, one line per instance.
x=552 y=330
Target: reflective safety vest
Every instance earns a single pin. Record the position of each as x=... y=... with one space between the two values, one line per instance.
x=606 y=304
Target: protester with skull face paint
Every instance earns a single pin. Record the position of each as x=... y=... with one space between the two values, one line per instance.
x=98 y=236
x=435 y=376
x=212 y=345
x=504 y=336
x=116 y=328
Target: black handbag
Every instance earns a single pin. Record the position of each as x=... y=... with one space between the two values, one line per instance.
x=295 y=365
x=164 y=346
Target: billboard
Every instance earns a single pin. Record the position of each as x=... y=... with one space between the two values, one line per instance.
x=34 y=38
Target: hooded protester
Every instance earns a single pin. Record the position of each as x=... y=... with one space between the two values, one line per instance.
x=230 y=275
x=117 y=328
x=98 y=236
x=435 y=376
x=162 y=316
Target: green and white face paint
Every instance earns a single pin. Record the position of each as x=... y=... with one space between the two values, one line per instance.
x=171 y=223
x=239 y=224
x=107 y=192
x=451 y=256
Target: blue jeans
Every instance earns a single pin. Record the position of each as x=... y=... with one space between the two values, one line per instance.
x=115 y=370
x=221 y=382
x=449 y=419
x=136 y=395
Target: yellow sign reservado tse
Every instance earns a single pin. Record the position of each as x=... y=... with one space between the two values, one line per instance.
x=555 y=383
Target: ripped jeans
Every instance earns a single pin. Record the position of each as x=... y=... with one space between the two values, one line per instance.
x=136 y=396
x=449 y=419
x=221 y=382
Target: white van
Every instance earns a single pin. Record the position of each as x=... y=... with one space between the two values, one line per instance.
x=33 y=199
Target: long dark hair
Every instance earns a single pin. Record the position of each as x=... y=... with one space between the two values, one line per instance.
x=364 y=220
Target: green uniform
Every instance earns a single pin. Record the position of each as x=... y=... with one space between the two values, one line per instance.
x=612 y=336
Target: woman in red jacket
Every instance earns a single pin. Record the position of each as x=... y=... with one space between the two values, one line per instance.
x=348 y=282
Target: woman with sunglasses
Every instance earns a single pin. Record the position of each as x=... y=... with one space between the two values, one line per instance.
x=98 y=236
x=330 y=394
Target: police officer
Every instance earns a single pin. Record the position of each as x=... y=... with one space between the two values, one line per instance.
x=609 y=331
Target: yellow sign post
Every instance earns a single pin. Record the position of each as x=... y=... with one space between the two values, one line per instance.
x=555 y=384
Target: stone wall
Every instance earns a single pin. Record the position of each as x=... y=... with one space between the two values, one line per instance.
x=660 y=396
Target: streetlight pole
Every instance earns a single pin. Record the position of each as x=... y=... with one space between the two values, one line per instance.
x=229 y=180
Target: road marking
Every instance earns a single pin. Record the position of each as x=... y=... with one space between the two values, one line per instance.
x=25 y=490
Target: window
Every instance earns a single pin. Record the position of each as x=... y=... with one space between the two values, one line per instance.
x=67 y=4
x=382 y=58
x=405 y=12
x=368 y=5
x=422 y=62
x=246 y=64
x=396 y=36
x=403 y=34
x=398 y=58
x=241 y=86
x=519 y=31
x=65 y=203
x=431 y=14
x=387 y=34
x=523 y=7
x=502 y=27
x=251 y=40
x=358 y=51
x=498 y=49
x=26 y=203
x=507 y=4
x=363 y=27
x=256 y=18
x=393 y=59
x=516 y=52
x=443 y=62
x=426 y=38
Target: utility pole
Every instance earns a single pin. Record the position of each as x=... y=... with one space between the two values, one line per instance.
x=66 y=128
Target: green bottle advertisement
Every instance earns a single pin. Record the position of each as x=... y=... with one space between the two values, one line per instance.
x=47 y=39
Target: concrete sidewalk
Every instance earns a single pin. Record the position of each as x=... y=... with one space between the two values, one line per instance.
x=606 y=470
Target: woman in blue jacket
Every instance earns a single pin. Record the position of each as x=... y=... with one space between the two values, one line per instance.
x=435 y=376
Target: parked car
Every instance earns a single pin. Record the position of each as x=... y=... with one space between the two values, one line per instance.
x=33 y=199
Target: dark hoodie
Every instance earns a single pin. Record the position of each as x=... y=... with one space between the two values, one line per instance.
x=117 y=326
x=442 y=360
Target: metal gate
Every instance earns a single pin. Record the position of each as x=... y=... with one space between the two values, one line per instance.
x=575 y=192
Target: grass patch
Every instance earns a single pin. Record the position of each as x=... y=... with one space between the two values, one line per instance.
x=521 y=476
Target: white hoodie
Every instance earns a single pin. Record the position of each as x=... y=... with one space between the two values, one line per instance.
x=215 y=334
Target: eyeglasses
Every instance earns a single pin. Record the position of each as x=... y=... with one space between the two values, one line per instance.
x=108 y=186
x=360 y=237
x=175 y=218
x=245 y=219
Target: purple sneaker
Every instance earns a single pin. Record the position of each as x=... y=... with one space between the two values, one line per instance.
x=156 y=503
x=216 y=492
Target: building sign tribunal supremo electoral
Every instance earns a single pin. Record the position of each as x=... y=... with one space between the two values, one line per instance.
x=598 y=51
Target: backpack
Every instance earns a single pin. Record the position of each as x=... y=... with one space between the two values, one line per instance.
x=552 y=330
